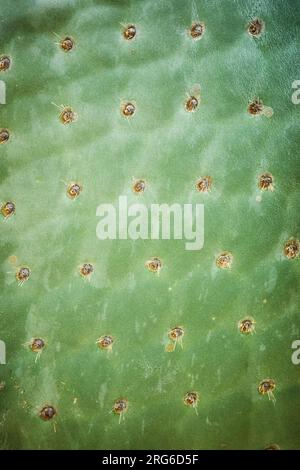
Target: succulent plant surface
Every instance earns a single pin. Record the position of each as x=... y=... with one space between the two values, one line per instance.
x=143 y=344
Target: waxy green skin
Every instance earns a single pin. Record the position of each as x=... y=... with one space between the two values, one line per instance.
x=170 y=149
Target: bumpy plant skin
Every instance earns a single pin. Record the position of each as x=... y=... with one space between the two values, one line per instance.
x=143 y=94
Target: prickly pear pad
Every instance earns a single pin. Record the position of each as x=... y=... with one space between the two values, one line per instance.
x=162 y=101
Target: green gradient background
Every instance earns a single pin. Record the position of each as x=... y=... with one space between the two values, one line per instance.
x=170 y=149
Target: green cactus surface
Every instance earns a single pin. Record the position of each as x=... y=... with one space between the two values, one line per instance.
x=162 y=101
